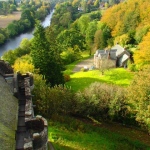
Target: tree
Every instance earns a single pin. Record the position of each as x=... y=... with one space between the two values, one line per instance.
x=83 y=22
x=46 y=57
x=29 y=15
x=123 y=39
x=90 y=32
x=2 y=38
x=139 y=97
x=25 y=45
x=142 y=55
x=102 y=35
x=96 y=3
x=12 y=29
x=71 y=38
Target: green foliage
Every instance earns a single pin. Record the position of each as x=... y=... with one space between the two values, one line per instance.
x=106 y=100
x=101 y=37
x=142 y=31
x=71 y=39
x=139 y=97
x=6 y=7
x=12 y=55
x=12 y=29
x=66 y=133
x=49 y=101
x=46 y=57
x=90 y=32
x=83 y=22
x=2 y=38
x=95 y=15
x=70 y=56
x=122 y=40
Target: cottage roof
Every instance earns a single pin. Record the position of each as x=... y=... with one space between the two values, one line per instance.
x=119 y=49
x=125 y=57
x=8 y=116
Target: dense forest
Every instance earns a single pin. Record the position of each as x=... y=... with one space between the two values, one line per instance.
x=77 y=27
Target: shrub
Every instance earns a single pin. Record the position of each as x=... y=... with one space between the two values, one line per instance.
x=66 y=77
x=139 y=97
x=101 y=101
x=49 y=101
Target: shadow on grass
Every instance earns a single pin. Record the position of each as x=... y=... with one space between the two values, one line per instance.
x=83 y=82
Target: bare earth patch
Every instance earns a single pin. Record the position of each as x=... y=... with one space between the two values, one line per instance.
x=5 y=20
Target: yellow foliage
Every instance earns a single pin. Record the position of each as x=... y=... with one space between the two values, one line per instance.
x=126 y=16
x=23 y=66
x=142 y=56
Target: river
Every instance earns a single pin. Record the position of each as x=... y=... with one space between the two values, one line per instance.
x=15 y=42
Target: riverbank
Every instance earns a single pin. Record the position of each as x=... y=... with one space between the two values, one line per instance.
x=13 y=43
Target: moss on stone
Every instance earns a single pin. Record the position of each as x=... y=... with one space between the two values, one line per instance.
x=8 y=116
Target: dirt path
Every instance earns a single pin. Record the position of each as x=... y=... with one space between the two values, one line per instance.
x=85 y=63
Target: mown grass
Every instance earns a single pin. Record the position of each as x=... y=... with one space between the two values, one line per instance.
x=117 y=76
x=76 y=135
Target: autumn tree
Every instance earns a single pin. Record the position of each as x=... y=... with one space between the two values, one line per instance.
x=142 y=55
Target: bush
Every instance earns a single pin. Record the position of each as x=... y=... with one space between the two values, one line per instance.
x=139 y=97
x=49 y=101
x=84 y=69
x=66 y=77
x=101 y=101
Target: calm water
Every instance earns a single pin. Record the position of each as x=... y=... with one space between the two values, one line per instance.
x=15 y=42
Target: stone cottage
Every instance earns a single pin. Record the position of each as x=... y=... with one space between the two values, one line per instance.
x=22 y=129
x=117 y=56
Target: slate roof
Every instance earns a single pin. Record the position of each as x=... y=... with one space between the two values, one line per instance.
x=118 y=48
x=104 y=54
x=8 y=116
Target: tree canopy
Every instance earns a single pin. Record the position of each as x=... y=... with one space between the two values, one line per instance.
x=46 y=57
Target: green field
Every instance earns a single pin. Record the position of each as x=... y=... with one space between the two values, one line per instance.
x=118 y=76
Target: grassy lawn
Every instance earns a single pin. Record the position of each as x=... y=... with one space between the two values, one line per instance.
x=5 y=20
x=118 y=76
x=77 y=135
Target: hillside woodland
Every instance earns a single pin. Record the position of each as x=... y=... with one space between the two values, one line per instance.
x=79 y=26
